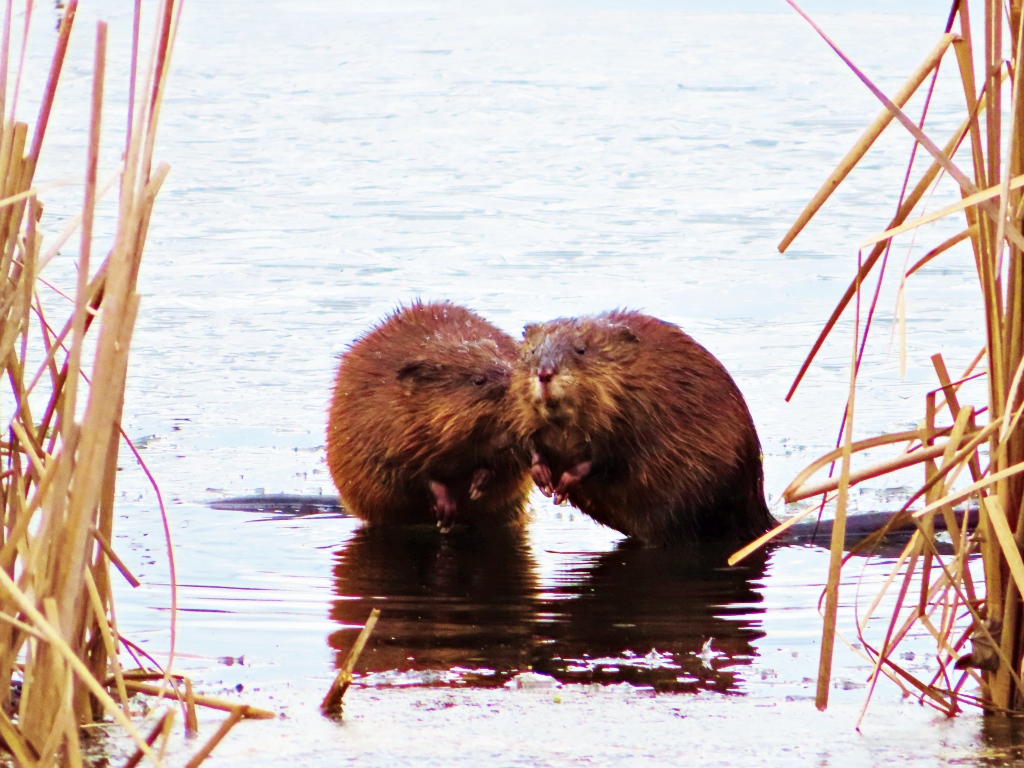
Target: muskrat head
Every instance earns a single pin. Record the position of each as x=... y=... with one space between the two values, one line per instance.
x=471 y=372
x=576 y=368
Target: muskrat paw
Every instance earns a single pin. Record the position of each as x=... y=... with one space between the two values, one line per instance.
x=570 y=479
x=481 y=479
x=542 y=477
x=443 y=507
x=541 y=474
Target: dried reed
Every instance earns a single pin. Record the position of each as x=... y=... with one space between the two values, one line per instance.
x=937 y=593
x=331 y=705
x=57 y=472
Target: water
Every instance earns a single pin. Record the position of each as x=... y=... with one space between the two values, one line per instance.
x=528 y=160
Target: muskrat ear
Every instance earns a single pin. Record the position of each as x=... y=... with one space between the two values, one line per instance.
x=622 y=333
x=420 y=371
x=530 y=330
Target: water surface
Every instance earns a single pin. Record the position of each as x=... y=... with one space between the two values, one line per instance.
x=331 y=160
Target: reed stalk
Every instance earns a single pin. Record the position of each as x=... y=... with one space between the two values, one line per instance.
x=978 y=629
x=331 y=705
x=61 y=422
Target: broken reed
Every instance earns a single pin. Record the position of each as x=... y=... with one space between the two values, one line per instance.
x=331 y=705
x=977 y=627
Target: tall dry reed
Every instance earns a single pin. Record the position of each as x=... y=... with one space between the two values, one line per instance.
x=58 y=473
x=976 y=625
x=59 y=643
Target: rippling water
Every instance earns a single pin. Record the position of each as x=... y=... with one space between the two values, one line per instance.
x=333 y=159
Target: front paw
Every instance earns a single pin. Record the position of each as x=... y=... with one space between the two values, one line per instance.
x=541 y=474
x=481 y=479
x=566 y=484
x=570 y=479
x=443 y=507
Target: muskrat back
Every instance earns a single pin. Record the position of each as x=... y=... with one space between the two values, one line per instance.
x=418 y=427
x=639 y=426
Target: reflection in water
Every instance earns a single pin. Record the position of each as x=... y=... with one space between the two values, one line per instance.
x=644 y=616
x=463 y=601
x=469 y=608
x=1003 y=738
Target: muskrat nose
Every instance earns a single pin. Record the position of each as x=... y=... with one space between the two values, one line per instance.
x=545 y=374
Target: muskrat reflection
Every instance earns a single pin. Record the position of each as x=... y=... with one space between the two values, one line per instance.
x=473 y=602
x=466 y=599
x=643 y=616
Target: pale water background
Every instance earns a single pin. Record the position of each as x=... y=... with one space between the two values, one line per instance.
x=529 y=160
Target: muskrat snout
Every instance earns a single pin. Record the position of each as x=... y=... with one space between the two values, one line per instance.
x=544 y=376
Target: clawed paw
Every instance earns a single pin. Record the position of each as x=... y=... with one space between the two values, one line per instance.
x=481 y=479
x=445 y=517
x=570 y=479
x=566 y=484
x=444 y=508
x=541 y=474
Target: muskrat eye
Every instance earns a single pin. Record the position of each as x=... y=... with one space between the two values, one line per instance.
x=580 y=350
x=479 y=379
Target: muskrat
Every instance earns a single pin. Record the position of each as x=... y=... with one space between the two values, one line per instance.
x=639 y=426
x=418 y=427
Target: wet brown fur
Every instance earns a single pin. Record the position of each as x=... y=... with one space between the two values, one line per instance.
x=421 y=399
x=673 y=450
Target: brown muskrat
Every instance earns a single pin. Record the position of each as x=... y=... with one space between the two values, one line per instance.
x=636 y=424
x=418 y=426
